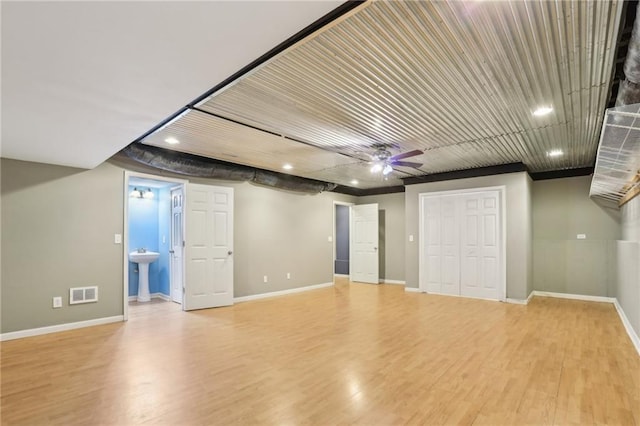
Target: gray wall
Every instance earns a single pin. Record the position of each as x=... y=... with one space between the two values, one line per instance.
x=392 y=234
x=562 y=209
x=628 y=267
x=518 y=223
x=58 y=225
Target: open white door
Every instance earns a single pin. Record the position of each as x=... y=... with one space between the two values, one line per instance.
x=176 y=244
x=364 y=245
x=209 y=247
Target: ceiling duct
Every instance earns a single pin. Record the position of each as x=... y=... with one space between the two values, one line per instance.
x=629 y=92
x=618 y=157
x=193 y=165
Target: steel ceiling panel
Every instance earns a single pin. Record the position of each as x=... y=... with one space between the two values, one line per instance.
x=457 y=79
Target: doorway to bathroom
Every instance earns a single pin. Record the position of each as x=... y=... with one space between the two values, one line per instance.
x=153 y=242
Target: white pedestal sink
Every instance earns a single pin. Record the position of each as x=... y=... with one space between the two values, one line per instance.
x=143 y=259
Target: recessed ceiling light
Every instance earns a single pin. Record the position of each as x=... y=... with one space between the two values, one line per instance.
x=555 y=153
x=354 y=182
x=544 y=110
x=172 y=141
x=287 y=167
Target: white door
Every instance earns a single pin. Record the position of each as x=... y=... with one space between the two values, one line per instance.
x=480 y=261
x=209 y=247
x=432 y=245
x=461 y=246
x=363 y=265
x=441 y=245
x=176 y=245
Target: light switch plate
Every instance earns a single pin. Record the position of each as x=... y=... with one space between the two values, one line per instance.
x=57 y=302
x=581 y=236
x=410 y=238
x=330 y=238
x=117 y=239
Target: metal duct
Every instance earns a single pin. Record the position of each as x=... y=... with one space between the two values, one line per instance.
x=192 y=165
x=629 y=92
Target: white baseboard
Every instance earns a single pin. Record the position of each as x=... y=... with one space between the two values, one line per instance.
x=385 y=281
x=627 y=325
x=60 y=327
x=520 y=301
x=341 y=275
x=412 y=290
x=153 y=296
x=280 y=293
x=583 y=297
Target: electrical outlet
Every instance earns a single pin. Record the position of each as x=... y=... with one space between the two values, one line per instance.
x=57 y=302
x=265 y=279
x=288 y=275
x=330 y=239
x=581 y=236
x=410 y=238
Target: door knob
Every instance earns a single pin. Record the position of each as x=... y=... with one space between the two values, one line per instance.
x=171 y=251
x=229 y=252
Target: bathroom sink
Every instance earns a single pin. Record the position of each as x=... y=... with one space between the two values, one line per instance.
x=143 y=258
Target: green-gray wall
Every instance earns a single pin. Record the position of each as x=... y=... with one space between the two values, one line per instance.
x=391 y=218
x=628 y=268
x=562 y=263
x=518 y=224
x=59 y=223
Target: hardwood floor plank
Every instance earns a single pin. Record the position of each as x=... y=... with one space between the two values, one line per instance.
x=349 y=354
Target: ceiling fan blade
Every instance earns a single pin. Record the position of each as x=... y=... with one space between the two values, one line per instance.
x=406 y=164
x=406 y=155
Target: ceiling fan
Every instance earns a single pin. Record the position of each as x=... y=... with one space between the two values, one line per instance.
x=383 y=161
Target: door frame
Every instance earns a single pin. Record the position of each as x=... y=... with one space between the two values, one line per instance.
x=125 y=234
x=502 y=193
x=335 y=237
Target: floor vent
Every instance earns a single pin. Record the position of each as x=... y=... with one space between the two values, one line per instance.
x=83 y=295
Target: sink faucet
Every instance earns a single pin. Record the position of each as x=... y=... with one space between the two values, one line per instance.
x=142 y=250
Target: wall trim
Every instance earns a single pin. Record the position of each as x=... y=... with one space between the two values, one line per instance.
x=59 y=327
x=398 y=282
x=341 y=275
x=281 y=292
x=635 y=340
x=412 y=290
x=520 y=301
x=583 y=297
x=153 y=296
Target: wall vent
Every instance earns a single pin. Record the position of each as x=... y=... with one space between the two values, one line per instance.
x=83 y=295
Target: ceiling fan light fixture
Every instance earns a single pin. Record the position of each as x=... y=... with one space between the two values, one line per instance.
x=377 y=168
x=387 y=169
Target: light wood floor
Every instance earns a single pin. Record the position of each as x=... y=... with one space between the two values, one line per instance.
x=353 y=353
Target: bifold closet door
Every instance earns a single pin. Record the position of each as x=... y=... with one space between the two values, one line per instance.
x=442 y=246
x=480 y=239
x=461 y=246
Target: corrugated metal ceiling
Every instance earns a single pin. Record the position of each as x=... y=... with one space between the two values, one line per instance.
x=458 y=80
